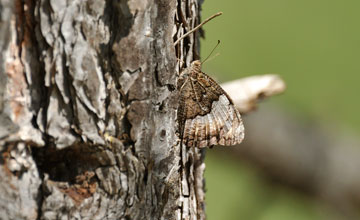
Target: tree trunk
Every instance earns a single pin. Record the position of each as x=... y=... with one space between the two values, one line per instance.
x=88 y=110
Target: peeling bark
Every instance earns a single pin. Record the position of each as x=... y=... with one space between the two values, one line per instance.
x=88 y=110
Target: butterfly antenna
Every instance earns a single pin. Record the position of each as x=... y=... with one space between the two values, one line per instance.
x=211 y=51
x=211 y=58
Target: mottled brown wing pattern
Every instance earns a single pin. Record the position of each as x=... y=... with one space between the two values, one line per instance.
x=206 y=113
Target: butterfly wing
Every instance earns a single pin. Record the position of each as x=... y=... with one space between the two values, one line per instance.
x=206 y=114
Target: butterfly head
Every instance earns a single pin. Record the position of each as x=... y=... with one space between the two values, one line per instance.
x=195 y=67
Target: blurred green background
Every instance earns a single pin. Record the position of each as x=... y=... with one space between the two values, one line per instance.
x=314 y=46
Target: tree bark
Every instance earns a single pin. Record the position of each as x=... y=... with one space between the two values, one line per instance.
x=88 y=110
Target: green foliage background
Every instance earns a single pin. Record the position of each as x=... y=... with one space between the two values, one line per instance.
x=314 y=45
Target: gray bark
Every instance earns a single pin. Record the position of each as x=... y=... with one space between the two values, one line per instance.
x=88 y=110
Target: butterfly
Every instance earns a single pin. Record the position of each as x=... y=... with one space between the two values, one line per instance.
x=206 y=114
